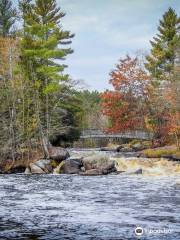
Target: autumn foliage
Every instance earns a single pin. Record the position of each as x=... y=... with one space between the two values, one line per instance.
x=129 y=77
x=172 y=97
x=130 y=82
x=116 y=109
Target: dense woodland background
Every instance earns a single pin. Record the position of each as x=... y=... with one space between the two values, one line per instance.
x=40 y=104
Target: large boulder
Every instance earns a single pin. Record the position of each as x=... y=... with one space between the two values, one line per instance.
x=70 y=166
x=99 y=162
x=45 y=165
x=41 y=166
x=58 y=154
x=35 y=169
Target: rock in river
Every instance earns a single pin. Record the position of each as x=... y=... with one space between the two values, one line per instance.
x=41 y=166
x=92 y=172
x=35 y=169
x=139 y=171
x=97 y=161
x=70 y=166
x=57 y=153
x=45 y=165
x=98 y=165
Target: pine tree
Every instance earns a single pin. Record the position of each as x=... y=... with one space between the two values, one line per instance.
x=8 y=16
x=43 y=36
x=160 y=63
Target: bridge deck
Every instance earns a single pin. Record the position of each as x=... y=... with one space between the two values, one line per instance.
x=137 y=134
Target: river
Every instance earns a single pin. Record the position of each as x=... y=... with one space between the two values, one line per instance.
x=89 y=208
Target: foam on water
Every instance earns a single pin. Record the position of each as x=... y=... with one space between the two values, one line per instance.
x=81 y=207
x=149 y=166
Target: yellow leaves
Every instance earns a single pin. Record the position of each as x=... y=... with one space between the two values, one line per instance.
x=8 y=54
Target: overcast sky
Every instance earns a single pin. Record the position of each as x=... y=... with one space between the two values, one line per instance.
x=106 y=30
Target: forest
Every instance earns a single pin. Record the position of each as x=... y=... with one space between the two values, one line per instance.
x=41 y=105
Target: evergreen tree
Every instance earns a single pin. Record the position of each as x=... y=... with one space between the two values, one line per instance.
x=160 y=63
x=8 y=16
x=40 y=50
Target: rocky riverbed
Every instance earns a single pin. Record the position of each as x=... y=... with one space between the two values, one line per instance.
x=92 y=162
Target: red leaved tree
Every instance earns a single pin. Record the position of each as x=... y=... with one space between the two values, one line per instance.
x=124 y=105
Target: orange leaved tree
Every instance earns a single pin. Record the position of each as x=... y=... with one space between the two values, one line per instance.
x=125 y=105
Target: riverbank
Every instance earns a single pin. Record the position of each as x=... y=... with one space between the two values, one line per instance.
x=113 y=159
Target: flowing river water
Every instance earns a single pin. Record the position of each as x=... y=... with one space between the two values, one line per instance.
x=92 y=207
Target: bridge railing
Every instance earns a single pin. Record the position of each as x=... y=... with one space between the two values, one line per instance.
x=94 y=133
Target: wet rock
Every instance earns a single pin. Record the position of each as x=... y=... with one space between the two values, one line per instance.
x=137 y=147
x=126 y=149
x=99 y=171
x=71 y=166
x=35 y=169
x=118 y=149
x=108 y=149
x=18 y=169
x=109 y=169
x=128 y=154
x=96 y=161
x=9 y=166
x=45 y=165
x=168 y=156
x=40 y=166
x=100 y=163
x=92 y=172
x=76 y=158
x=139 y=171
x=118 y=172
x=59 y=154
x=176 y=157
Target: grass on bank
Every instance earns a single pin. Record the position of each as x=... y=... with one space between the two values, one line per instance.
x=160 y=152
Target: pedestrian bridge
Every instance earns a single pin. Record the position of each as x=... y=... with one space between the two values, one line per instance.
x=99 y=134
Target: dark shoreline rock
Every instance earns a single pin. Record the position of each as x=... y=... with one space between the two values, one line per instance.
x=18 y=169
x=71 y=166
x=108 y=149
x=176 y=157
